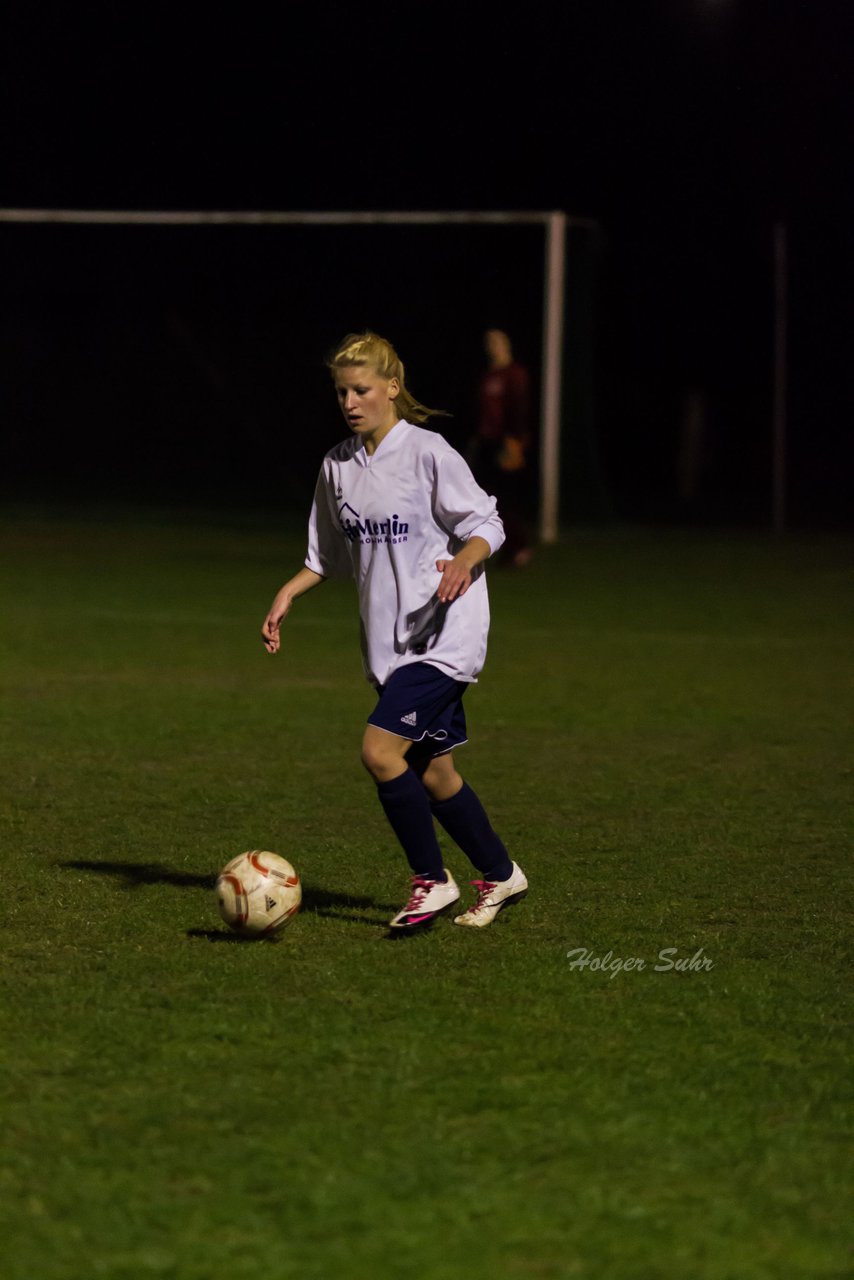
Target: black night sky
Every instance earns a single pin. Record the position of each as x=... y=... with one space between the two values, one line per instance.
x=189 y=364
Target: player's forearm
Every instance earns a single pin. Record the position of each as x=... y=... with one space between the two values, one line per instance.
x=279 y=609
x=300 y=583
x=474 y=552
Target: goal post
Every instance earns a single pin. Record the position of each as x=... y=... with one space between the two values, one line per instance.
x=554 y=290
x=555 y=225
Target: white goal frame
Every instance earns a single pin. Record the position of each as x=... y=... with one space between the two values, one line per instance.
x=554 y=224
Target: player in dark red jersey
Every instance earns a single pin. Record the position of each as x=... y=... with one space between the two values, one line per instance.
x=503 y=442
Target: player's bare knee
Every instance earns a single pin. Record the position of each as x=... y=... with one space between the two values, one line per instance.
x=372 y=760
x=381 y=756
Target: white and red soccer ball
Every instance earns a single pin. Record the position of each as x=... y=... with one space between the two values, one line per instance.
x=258 y=892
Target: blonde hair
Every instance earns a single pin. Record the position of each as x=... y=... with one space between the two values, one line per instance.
x=378 y=354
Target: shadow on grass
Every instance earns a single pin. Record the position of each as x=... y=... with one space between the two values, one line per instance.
x=322 y=902
x=239 y=939
x=343 y=906
x=319 y=902
x=134 y=874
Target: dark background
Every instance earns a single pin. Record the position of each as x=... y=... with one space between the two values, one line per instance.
x=185 y=364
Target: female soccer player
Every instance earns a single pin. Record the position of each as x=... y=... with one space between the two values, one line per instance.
x=398 y=509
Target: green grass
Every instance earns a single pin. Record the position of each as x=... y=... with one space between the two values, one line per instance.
x=662 y=737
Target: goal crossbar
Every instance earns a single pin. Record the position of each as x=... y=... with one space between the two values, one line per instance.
x=554 y=223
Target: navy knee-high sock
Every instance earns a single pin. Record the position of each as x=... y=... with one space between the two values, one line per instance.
x=465 y=820
x=407 y=807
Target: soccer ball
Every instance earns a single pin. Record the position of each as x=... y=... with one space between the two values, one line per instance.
x=258 y=892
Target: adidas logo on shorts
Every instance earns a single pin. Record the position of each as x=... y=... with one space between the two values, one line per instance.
x=410 y=719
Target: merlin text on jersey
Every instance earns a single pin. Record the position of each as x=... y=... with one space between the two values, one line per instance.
x=391 y=529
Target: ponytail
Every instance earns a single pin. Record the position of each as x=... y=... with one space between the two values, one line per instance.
x=378 y=354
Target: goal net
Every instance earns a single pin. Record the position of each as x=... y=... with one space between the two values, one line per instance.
x=181 y=354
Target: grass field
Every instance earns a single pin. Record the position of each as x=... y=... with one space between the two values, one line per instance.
x=662 y=736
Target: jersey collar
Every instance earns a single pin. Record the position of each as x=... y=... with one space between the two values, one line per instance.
x=390 y=444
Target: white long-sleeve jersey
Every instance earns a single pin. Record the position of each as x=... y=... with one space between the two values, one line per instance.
x=385 y=519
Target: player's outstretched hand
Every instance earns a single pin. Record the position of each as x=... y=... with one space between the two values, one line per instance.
x=273 y=621
x=281 y=606
x=455 y=580
x=457 y=573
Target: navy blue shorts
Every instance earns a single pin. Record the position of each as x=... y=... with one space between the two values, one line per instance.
x=423 y=704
